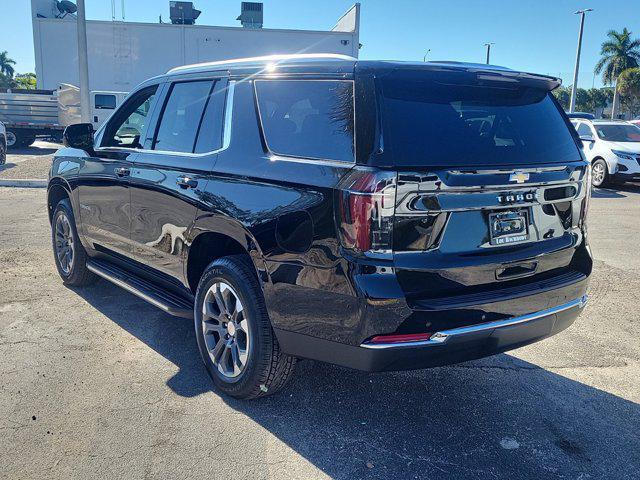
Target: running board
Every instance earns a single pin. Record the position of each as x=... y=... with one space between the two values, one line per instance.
x=148 y=291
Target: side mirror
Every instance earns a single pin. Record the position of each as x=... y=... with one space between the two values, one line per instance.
x=587 y=138
x=78 y=135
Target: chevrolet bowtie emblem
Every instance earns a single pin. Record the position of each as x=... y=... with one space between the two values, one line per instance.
x=519 y=177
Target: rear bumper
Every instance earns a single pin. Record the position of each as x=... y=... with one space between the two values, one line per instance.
x=444 y=347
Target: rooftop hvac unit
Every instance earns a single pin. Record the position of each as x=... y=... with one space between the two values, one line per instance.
x=251 y=15
x=183 y=13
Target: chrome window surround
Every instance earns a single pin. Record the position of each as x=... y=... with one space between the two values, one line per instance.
x=226 y=133
x=304 y=159
x=441 y=337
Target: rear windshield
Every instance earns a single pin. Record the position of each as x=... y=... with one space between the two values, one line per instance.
x=426 y=122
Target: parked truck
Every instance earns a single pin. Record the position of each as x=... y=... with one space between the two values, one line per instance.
x=28 y=114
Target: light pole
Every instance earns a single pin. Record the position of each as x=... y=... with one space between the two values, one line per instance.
x=574 y=87
x=83 y=63
x=488 y=45
x=424 y=59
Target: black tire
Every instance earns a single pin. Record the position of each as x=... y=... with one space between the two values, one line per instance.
x=3 y=153
x=76 y=274
x=267 y=369
x=599 y=173
x=12 y=139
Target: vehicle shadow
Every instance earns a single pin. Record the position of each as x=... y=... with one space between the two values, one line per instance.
x=7 y=166
x=34 y=150
x=616 y=190
x=499 y=417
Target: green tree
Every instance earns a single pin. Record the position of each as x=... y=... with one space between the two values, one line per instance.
x=6 y=81
x=6 y=64
x=629 y=82
x=582 y=100
x=619 y=53
x=597 y=98
x=563 y=95
x=629 y=88
x=25 y=80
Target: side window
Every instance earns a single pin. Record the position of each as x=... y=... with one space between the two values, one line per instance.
x=105 y=102
x=583 y=129
x=130 y=121
x=210 y=132
x=308 y=118
x=181 y=116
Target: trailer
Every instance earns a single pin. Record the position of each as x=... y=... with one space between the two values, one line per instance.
x=27 y=114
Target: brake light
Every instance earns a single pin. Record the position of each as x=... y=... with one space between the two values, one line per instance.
x=366 y=206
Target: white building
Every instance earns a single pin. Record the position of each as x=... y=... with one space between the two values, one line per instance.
x=123 y=54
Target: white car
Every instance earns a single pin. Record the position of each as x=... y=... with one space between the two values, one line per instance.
x=3 y=144
x=612 y=147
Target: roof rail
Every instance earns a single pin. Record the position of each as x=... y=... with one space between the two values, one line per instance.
x=265 y=58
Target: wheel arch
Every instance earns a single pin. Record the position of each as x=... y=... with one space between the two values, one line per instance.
x=218 y=237
x=57 y=190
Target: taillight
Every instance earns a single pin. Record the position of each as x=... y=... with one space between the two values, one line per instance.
x=365 y=209
x=587 y=198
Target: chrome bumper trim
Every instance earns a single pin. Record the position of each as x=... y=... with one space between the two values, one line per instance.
x=441 y=337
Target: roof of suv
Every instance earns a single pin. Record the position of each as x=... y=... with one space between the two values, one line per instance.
x=322 y=62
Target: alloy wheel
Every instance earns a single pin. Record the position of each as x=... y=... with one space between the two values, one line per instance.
x=65 y=248
x=225 y=329
x=598 y=173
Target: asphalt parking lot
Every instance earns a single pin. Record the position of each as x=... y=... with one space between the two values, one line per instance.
x=95 y=383
x=31 y=162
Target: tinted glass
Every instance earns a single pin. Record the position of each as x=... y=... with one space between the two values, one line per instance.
x=181 y=116
x=618 y=133
x=429 y=122
x=130 y=121
x=584 y=130
x=210 y=133
x=105 y=102
x=308 y=118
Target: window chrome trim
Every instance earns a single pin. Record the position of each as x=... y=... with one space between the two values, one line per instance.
x=226 y=134
x=441 y=337
x=300 y=158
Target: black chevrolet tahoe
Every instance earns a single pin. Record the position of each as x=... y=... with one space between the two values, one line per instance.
x=372 y=214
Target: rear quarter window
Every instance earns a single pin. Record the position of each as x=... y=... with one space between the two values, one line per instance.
x=308 y=118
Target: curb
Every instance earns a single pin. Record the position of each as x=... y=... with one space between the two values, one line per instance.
x=23 y=182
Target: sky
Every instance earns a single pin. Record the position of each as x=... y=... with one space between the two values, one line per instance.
x=530 y=35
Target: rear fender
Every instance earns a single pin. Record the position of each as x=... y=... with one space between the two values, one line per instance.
x=227 y=226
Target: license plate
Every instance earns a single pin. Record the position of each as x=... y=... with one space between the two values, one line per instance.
x=509 y=227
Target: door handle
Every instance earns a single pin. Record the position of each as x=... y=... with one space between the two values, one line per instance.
x=122 y=171
x=186 y=182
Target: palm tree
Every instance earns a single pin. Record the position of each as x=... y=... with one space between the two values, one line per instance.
x=619 y=53
x=6 y=64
